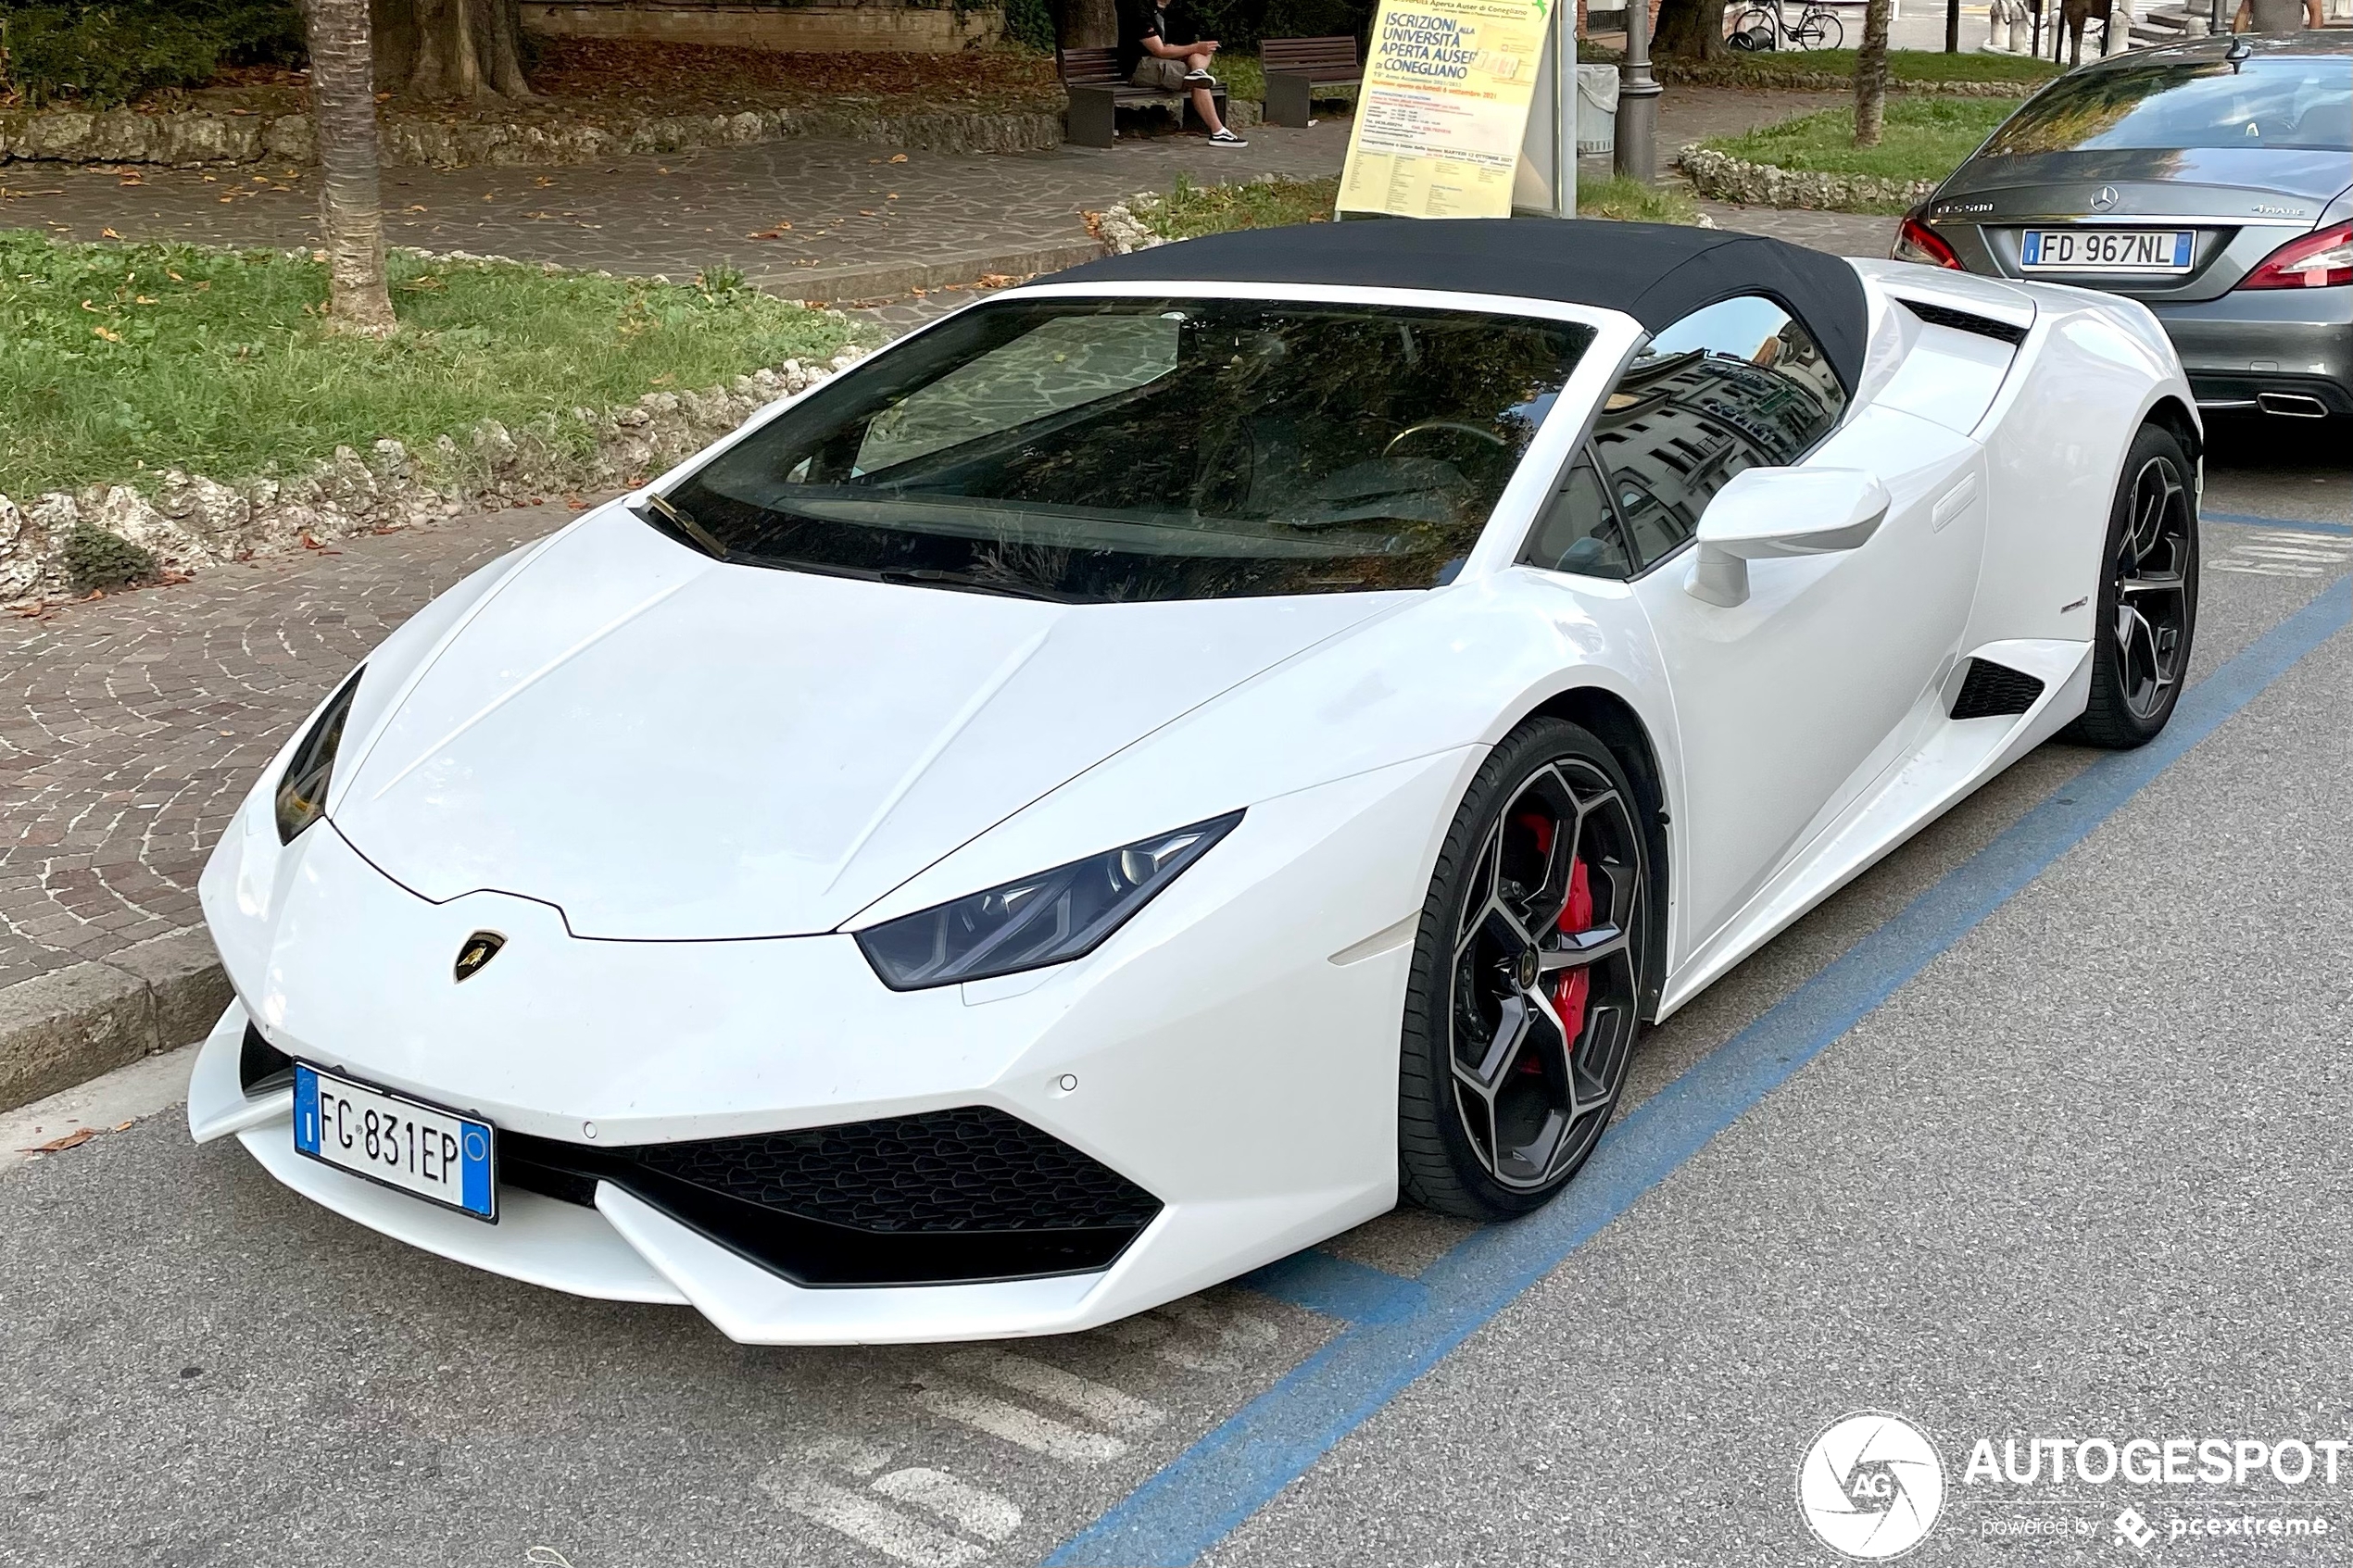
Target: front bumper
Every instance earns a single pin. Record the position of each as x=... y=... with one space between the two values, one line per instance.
x=2266 y=349
x=1224 y=1061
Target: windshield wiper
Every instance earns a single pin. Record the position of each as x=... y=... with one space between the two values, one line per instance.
x=696 y=533
x=936 y=577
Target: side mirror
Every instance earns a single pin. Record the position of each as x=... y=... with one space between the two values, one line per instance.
x=1768 y=513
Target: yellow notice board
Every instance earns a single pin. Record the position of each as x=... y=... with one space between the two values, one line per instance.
x=1444 y=108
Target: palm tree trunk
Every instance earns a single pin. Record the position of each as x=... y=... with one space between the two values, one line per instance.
x=1870 y=76
x=343 y=102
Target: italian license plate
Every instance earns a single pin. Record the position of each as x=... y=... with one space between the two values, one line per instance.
x=2107 y=250
x=435 y=1154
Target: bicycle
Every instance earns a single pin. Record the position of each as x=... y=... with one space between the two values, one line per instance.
x=1767 y=26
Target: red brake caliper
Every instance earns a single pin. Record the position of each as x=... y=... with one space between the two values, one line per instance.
x=1570 y=986
x=1569 y=997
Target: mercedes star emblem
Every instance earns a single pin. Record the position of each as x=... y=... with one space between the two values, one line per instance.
x=2104 y=199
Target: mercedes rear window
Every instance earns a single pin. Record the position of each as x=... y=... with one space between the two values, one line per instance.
x=1167 y=448
x=2298 y=101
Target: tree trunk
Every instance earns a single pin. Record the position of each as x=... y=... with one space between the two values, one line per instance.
x=1086 y=24
x=1689 y=30
x=1870 y=76
x=469 y=49
x=342 y=103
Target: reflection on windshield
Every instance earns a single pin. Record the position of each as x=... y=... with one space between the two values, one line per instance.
x=1148 y=449
x=2302 y=101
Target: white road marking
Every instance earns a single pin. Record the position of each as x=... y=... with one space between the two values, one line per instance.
x=874 y=1525
x=1025 y=1428
x=853 y=1454
x=973 y=1510
x=1098 y=1401
x=2278 y=553
x=1239 y=1335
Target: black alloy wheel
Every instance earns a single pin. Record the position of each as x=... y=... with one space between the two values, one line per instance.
x=1523 y=1006
x=2148 y=598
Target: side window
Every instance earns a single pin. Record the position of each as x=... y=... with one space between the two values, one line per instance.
x=1739 y=384
x=1579 y=531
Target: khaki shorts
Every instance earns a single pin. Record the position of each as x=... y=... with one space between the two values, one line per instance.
x=1164 y=76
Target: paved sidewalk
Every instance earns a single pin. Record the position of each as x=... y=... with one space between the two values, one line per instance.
x=846 y=223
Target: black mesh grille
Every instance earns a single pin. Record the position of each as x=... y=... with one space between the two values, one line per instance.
x=971 y=1169
x=948 y=1197
x=1991 y=689
x=1967 y=322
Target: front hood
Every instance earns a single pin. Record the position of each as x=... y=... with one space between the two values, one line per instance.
x=2191 y=183
x=664 y=747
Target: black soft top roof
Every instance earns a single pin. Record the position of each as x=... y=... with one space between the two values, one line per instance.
x=1656 y=272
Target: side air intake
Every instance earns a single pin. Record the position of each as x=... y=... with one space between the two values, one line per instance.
x=1965 y=322
x=1990 y=690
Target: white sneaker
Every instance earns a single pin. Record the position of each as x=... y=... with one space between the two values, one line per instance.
x=1227 y=139
x=1199 y=79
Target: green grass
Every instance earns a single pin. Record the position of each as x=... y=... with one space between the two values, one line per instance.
x=1191 y=210
x=1903 y=65
x=1924 y=139
x=120 y=360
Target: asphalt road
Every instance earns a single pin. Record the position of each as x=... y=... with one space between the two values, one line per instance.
x=2078 y=1172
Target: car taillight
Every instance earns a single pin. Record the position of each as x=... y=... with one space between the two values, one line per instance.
x=1917 y=241
x=2317 y=262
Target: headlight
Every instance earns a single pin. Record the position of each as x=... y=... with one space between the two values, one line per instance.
x=1050 y=918
x=302 y=790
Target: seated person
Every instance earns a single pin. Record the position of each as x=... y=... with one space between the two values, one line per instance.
x=1152 y=61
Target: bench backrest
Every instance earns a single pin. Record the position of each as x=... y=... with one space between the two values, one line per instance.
x=1089 y=68
x=1309 y=54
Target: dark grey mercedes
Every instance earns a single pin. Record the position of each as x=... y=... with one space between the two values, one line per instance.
x=2211 y=181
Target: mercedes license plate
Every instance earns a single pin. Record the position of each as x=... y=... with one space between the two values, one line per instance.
x=435 y=1154
x=2107 y=250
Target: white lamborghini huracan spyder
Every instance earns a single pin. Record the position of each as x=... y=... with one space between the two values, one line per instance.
x=1141 y=773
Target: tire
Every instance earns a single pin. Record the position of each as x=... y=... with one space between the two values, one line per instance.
x=1820 y=29
x=2148 y=598
x=1753 y=31
x=1510 y=1067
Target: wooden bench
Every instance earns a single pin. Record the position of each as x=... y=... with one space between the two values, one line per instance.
x=1296 y=67
x=1098 y=90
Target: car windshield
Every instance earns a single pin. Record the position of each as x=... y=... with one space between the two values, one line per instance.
x=1127 y=450
x=2299 y=100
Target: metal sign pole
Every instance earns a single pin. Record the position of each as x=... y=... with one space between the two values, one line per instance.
x=1564 y=109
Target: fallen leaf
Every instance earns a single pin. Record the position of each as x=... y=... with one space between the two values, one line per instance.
x=174 y=276
x=108 y=234
x=90 y=307
x=110 y=337
x=143 y=299
x=59 y=1146
x=311 y=543
x=122 y=1126
x=899 y=158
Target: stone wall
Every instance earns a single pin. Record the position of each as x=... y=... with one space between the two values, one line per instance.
x=1721 y=177
x=895 y=27
x=189 y=137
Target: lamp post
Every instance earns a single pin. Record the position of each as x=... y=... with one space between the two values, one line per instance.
x=1637 y=99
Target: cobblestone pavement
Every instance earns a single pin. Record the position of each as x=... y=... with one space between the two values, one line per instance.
x=131 y=727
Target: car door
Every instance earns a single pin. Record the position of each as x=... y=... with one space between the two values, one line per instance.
x=1788 y=704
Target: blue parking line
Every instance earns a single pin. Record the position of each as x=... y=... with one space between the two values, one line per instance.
x=2297 y=525
x=1210 y=1489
